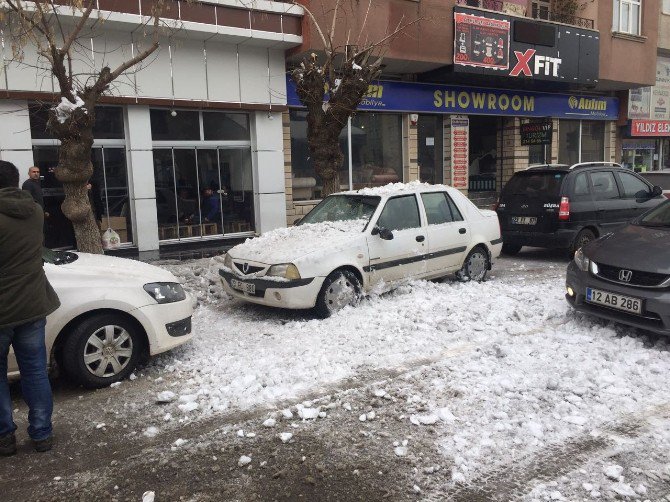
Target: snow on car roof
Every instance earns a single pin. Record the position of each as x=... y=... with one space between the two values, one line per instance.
x=398 y=188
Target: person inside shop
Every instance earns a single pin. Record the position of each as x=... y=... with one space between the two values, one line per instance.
x=211 y=205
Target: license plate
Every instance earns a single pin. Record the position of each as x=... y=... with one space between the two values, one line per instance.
x=524 y=220
x=613 y=300
x=243 y=286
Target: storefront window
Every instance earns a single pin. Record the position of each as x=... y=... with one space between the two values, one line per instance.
x=430 y=151
x=307 y=184
x=109 y=183
x=581 y=141
x=204 y=185
x=376 y=145
x=638 y=154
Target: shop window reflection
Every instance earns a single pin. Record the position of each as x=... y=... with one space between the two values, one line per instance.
x=376 y=144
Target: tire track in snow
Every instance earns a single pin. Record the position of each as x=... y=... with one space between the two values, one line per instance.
x=513 y=482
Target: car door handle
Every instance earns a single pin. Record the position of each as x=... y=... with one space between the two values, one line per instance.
x=420 y=238
x=462 y=230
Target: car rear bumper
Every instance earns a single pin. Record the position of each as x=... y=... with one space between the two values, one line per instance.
x=167 y=325
x=562 y=238
x=297 y=294
x=655 y=303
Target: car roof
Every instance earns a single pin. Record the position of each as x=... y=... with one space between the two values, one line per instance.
x=393 y=189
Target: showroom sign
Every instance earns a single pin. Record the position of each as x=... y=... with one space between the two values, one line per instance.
x=411 y=97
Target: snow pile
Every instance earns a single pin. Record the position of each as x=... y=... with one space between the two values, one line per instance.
x=66 y=108
x=284 y=245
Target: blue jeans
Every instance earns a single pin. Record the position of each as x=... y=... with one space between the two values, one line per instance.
x=31 y=356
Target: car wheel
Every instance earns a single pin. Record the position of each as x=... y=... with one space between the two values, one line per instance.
x=101 y=350
x=475 y=266
x=510 y=249
x=583 y=238
x=341 y=288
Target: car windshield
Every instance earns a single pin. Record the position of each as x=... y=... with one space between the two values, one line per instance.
x=57 y=257
x=343 y=208
x=535 y=184
x=657 y=217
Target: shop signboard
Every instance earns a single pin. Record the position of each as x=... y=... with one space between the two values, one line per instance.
x=410 y=97
x=493 y=43
x=648 y=128
x=460 y=130
x=661 y=91
x=639 y=103
x=536 y=133
x=481 y=41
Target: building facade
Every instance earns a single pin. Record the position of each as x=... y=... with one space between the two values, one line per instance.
x=482 y=89
x=204 y=112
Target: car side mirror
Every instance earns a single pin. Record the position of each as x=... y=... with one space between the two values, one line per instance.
x=384 y=233
x=656 y=191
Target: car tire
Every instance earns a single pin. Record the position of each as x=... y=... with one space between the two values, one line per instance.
x=510 y=249
x=583 y=238
x=475 y=266
x=341 y=288
x=101 y=350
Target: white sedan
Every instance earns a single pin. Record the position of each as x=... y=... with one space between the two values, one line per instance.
x=113 y=313
x=353 y=241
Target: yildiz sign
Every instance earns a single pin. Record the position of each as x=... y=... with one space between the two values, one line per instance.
x=492 y=43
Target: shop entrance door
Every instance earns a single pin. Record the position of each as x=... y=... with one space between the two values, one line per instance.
x=483 y=153
x=430 y=151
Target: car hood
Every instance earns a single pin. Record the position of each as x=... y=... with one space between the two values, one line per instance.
x=286 y=245
x=116 y=269
x=634 y=247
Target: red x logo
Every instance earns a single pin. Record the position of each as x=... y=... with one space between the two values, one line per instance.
x=522 y=63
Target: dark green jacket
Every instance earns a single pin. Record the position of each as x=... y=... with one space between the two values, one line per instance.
x=25 y=292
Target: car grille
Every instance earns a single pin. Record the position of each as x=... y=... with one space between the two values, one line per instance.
x=251 y=270
x=638 y=278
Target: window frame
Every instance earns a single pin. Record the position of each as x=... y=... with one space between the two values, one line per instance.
x=617 y=24
x=622 y=188
x=665 y=7
x=446 y=201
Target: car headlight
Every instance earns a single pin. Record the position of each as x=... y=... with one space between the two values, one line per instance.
x=286 y=270
x=582 y=261
x=228 y=261
x=165 y=292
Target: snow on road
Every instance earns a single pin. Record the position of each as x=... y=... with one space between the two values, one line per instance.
x=511 y=367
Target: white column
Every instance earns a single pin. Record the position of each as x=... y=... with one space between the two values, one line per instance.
x=15 y=140
x=141 y=185
x=267 y=150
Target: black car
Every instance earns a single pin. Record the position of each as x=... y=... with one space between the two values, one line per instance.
x=561 y=206
x=625 y=276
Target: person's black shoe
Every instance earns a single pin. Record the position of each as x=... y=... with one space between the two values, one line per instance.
x=7 y=445
x=43 y=445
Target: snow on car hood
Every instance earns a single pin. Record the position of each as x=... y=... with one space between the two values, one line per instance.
x=117 y=268
x=285 y=245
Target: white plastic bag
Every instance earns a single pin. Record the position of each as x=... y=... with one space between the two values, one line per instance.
x=110 y=239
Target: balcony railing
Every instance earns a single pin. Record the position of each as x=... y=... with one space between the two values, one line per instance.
x=508 y=7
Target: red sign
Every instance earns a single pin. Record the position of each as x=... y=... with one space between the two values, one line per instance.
x=481 y=41
x=650 y=128
x=460 y=129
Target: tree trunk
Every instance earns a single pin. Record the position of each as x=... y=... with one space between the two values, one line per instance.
x=74 y=171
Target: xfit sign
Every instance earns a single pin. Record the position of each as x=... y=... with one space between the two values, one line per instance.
x=492 y=43
x=530 y=64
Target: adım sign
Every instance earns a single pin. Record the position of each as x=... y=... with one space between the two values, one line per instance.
x=434 y=98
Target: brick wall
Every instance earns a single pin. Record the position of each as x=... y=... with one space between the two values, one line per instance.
x=410 y=139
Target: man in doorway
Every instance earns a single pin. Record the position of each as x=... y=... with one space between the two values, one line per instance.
x=26 y=299
x=34 y=186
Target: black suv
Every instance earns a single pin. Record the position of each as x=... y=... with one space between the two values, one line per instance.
x=561 y=206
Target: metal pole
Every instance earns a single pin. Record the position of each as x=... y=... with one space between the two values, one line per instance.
x=351 y=167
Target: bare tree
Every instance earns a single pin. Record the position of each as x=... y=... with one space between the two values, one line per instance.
x=54 y=29
x=332 y=85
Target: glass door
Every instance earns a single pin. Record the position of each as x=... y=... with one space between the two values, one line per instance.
x=430 y=151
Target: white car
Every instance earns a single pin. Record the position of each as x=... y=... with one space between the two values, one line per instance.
x=352 y=241
x=113 y=313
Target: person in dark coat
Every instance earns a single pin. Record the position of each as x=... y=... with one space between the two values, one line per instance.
x=34 y=186
x=26 y=299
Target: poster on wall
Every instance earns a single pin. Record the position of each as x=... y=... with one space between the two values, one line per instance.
x=481 y=41
x=639 y=103
x=460 y=130
x=661 y=91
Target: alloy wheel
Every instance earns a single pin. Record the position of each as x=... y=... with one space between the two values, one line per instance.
x=108 y=351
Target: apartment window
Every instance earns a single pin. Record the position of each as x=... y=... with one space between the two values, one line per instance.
x=627 y=15
x=666 y=7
